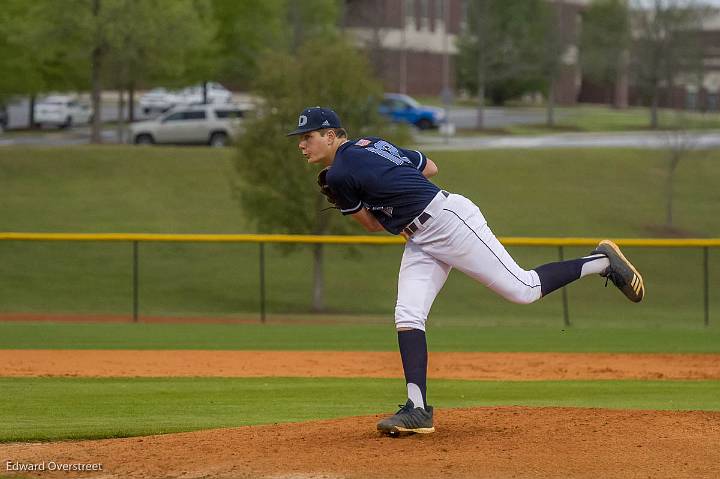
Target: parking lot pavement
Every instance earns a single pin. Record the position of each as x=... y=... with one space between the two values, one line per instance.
x=72 y=136
x=463 y=117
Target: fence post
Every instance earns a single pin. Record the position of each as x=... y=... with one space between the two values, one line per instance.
x=566 y=313
x=136 y=281
x=262 y=282
x=706 y=277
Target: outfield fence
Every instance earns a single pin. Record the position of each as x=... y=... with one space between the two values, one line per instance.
x=261 y=240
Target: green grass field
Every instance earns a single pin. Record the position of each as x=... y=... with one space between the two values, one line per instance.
x=590 y=118
x=616 y=193
x=599 y=118
x=357 y=337
x=49 y=408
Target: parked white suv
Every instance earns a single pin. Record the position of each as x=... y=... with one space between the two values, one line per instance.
x=61 y=110
x=214 y=125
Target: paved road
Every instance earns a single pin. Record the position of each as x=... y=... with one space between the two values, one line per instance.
x=463 y=118
x=53 y=137
x=660 y=140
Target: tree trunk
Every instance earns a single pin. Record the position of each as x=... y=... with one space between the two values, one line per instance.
x=297 y=26
x=95 y=136
x=205 y=92
x=622 y=81
x=403 y=49
x=480 y=123
x=131 y=102
x=670 y=95
x=550 y=119
x=654 y=108
x=121 y=116
x=97 y=57
x=31 y=112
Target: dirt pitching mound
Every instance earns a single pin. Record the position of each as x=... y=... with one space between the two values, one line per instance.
x=503 y=442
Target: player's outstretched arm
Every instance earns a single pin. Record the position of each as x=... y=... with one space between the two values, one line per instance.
x=430 y=169
x=367 y=220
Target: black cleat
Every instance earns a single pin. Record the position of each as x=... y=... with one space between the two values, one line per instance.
x=409 y=419
x=621 y=272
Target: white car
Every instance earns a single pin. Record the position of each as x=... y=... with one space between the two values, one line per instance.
x=216 y=93
x=61 y=110
x=159 y=100
x=214 y=125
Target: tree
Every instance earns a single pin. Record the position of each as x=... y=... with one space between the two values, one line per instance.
x=604 y=44
x=73 y=35
x=34 y=61
x=680 y=144
x=76 y=44
x=276 y=187
x=551 y=59
x=244 y=29
x=143 y=45
x=666 y=45
x=501 y=51
x=19 y=73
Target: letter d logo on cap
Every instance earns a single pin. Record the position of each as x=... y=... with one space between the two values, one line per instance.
x=302 y=121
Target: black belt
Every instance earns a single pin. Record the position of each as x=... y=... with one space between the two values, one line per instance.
x=413 y=226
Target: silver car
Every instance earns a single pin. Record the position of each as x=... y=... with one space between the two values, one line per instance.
x=214 y=125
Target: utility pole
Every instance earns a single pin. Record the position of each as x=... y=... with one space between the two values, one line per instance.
x=446 y=93
x=481 y=6
x=403 y=48
x=97 y=60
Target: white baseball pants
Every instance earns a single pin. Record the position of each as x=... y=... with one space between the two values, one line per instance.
x=457 y=236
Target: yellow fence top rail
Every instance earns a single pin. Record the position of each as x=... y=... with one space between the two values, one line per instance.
x=335 y=239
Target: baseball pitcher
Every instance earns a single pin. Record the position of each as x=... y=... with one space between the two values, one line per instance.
x=385 y=187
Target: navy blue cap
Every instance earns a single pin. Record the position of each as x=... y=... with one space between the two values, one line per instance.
x=316 y=118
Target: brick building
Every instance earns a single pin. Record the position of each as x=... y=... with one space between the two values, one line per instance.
x=688 y=91
x=411 y=44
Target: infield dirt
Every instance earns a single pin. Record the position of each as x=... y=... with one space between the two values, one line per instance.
x=446 y=365
x=489 y=442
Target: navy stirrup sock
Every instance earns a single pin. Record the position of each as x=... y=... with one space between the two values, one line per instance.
x=556 y=275
x=413 y=351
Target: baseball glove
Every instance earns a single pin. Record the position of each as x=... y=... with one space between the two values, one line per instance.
x=325 y=188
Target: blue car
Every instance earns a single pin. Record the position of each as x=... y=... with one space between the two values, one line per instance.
x=402 y=108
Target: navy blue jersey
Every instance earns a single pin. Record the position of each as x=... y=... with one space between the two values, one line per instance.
x=375 y=174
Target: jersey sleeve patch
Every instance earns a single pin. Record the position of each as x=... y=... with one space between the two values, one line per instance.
x=363 y=142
